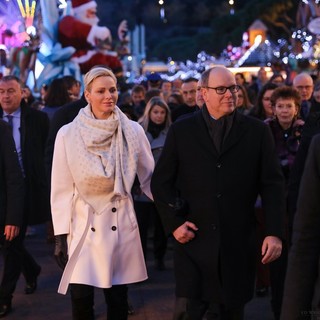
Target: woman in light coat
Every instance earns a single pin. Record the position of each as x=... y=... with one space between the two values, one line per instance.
x=96 y=159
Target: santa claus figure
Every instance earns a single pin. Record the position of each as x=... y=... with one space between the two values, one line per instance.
x=92 y=42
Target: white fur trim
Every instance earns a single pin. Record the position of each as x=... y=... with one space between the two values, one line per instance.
x=91 y=36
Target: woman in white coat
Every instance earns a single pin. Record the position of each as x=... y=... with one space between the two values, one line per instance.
x=96 y=159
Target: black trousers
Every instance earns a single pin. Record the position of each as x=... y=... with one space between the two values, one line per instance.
x=17 y=260
x=195 y=309
x=82 y=299
x=278 y=270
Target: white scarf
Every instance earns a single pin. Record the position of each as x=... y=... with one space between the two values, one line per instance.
x=103 y=156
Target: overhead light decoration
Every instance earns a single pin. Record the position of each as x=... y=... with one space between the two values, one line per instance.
x=231 y=3
x=27 y=11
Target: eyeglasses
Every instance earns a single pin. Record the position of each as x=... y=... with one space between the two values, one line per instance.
x=223 y=90
x=304 y=87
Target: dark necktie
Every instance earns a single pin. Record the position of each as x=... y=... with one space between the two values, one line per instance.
x=10 y=120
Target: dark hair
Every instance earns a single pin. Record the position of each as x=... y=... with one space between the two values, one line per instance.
x=57 y=94
x=10 y=78
x=258 y=111
x=138 y=88
x=188 y=80
x=316 y=86
x=275 y=76
x=152 y=93
x=286 y=92
x=246 y=101
x=70 y=81
x=241 y=76
x=178 y=97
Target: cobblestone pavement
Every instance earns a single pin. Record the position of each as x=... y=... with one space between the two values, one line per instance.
x=151 y=300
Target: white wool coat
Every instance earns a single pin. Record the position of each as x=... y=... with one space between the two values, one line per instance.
x=104 y=248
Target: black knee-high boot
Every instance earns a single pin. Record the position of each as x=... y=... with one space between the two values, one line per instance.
x=82 y=299
x=116 y=298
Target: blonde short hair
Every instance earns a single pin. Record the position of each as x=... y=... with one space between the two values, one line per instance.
x=95 y=73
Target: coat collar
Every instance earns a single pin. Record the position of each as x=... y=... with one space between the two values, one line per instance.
x=237 y=130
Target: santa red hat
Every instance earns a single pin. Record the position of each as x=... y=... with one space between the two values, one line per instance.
x=83 y=5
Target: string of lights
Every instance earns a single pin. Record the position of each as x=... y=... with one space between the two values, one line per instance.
x=162 y=11
x=231 y=3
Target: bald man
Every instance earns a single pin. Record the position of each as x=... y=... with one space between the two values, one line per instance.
x=304 y=84
x=214 y=164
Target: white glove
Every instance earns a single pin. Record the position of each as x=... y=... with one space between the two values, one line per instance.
x=101 y=33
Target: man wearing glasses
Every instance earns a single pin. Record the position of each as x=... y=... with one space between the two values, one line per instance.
x=304 y=84
x=213 y=165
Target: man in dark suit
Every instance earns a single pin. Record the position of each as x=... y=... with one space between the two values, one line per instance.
x=11 y=207
x=213 y=166
x=189 y=92
x=30 y=129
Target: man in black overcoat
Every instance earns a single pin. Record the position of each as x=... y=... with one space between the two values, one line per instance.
x=213 y=166
x=30 y=130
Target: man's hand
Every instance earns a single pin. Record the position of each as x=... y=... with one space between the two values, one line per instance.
x=11 y=232
x=185 y=232
x=271 y=249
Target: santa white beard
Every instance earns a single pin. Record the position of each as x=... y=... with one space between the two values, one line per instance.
x=83 y=18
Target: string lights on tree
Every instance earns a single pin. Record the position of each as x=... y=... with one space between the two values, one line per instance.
x=162 y=11
x=231 y=3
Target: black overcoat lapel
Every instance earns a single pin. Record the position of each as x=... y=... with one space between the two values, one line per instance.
x=238 y=129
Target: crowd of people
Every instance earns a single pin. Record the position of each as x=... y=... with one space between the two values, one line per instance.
x=215 y=163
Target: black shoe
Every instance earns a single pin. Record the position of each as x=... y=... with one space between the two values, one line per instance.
x=262 y=292
x=5 y=309
x=130 y=309
x=31 y=286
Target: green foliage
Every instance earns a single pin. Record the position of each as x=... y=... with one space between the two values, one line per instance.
x=194 y=26
x=177 y=48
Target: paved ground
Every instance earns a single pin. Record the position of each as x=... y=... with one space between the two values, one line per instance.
x=152 y=300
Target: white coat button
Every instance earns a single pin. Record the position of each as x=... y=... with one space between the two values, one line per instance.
x=114 y=228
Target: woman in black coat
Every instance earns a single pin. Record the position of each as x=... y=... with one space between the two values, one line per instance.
x=302 y=287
